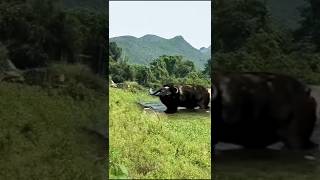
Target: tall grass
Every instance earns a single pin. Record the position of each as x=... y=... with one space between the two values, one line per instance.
x=155 y=145
x=41 y=137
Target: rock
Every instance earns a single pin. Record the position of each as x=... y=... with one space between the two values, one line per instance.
x=7 y=65
x=9 y=72
x=112 y=84
x=11 y=66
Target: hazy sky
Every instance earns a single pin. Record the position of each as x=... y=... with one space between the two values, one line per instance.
x=190 y=19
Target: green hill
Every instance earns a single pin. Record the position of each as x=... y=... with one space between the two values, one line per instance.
x=206 y=52
x=143 y=50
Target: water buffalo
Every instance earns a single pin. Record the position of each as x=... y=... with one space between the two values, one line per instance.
x=182 y=96
x=258 y=109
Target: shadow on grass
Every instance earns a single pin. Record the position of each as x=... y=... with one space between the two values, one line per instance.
x=265 y=164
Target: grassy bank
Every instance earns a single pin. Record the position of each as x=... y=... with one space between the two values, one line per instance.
x=41 y=134
x=156 y=145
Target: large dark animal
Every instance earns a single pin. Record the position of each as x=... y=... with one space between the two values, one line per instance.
x=258 y=109
x=182 y=96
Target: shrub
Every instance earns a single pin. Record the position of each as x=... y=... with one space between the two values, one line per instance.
x=74 y=75
x=134 y=86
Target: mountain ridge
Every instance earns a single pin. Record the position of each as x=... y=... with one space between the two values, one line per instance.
x=142 y=50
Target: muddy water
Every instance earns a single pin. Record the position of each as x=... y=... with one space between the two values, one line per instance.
x=156 y=106
x=159 y=107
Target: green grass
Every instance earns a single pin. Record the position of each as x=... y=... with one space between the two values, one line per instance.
x=41 y=136
x=155 y=145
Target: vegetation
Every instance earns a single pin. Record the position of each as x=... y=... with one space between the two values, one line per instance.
x=151 y=145
x=162 y=70
x=147 y=144
x=53 y=100
x=247 y=39
x=99 y=5
x=286 y=12
x=143 y=50
x=39 y=32
x=41 y=134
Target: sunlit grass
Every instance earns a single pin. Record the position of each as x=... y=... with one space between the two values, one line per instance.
x=155 y=145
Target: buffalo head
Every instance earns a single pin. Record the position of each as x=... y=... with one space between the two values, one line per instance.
x=188 y=96
x=166 y=90
x=169 y=96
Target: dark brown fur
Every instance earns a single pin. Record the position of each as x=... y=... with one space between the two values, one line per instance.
x=183 y=96
x=258 y=109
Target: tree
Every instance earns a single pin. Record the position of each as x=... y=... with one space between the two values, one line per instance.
x=308 y=34
x=92 y=27
x=236 y=20
x=114 y=51
x=208 y=67
x=171 y=66
x=39 y=32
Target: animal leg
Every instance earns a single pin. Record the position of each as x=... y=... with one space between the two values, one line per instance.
x=204 y=104
x=296 y=141
x=171 y=110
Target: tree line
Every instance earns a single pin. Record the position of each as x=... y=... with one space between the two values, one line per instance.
x=246 y=38
x=162 y=70
x=36 y=33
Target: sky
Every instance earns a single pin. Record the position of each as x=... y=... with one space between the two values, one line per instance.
x=167 y=19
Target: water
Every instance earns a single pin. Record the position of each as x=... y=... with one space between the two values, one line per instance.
x=156 y=106
x=159 y=107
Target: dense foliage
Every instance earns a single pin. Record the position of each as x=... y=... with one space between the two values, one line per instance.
x=53 y=99
x=247 y=39
x=39 y=32
x=162 y=70
x=148 y=145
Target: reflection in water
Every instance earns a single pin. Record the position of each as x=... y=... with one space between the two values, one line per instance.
x=274 y=162
x=159 y=107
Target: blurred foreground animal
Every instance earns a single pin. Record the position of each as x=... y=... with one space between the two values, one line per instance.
x=258 y=109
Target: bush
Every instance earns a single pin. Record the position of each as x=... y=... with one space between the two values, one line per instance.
x=120 y=72
x=134 y=86
x=77 y=75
